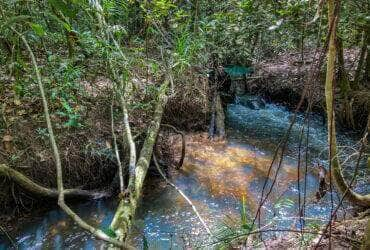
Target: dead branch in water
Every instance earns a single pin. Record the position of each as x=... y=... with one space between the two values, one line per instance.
x=184 y=196
x=125 y=212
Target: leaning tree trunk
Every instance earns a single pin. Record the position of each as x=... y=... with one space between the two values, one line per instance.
x=127 y=207
x=336 y=171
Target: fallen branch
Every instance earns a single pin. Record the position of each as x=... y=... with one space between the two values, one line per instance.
x=35 y=188
x=183 y=195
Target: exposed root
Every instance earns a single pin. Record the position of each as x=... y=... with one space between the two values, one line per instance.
x=183 y=144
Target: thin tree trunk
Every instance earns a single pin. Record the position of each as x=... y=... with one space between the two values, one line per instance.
x=336 y=171
x=127 y=207
x=361 y=61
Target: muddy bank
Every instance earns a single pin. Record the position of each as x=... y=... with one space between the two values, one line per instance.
x=88 y=157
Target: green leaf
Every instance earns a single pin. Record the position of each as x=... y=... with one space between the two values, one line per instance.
x=67 y=26
x=38 y=29
x=13 y=20
x=66 y=9
x=110 y=232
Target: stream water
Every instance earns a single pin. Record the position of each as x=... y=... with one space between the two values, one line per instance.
x=216 y=176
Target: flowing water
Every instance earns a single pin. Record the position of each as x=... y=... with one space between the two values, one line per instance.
x=216 y=176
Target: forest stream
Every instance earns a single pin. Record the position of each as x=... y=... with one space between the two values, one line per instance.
x=216 y=175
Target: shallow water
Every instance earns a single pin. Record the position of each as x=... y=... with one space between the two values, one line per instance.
x=215 y=176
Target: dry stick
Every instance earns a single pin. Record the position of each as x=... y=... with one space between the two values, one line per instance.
x=299 y=173
x=120 y=167
x=347 y=190
x=183 y=195
x=96 y=232
x=303 y=209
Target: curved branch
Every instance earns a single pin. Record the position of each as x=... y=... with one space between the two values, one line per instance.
x=183 y=143
x=96 y=232
x=35 y=188
x=336 y=169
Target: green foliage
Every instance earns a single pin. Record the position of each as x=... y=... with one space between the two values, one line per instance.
x=110 y=232
x=65 y=91
x=38 y=29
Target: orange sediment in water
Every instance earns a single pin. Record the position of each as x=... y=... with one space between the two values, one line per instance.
x=221 y=169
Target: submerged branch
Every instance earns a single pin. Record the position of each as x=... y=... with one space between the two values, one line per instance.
x=183 y=195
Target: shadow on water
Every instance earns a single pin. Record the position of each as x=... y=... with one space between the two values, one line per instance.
x=215 y=176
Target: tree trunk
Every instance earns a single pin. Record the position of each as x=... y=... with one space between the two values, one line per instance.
x=361 y=61
x=336 y=171
x=346 y=114
x=127 y=207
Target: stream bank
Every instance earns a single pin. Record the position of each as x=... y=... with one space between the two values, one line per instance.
x=216 y=175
